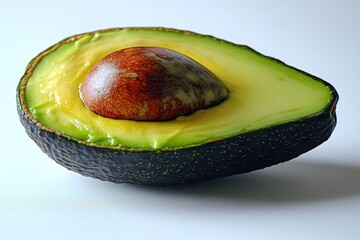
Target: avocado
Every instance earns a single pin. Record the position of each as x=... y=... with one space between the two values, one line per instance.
x=269 y=112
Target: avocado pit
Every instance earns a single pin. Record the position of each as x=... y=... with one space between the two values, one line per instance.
x=150 y=84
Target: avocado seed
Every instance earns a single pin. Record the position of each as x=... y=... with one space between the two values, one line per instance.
x=150 y=84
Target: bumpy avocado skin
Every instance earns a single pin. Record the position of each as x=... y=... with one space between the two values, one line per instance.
x=234 y=155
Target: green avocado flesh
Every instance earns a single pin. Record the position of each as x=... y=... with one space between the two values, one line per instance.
x=264 y=92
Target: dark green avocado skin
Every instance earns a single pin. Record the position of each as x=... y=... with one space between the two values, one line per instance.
x=239 y=154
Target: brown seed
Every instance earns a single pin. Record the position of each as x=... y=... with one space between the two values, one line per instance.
x=150 y=84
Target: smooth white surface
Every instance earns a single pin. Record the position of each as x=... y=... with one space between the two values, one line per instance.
x=316 y=196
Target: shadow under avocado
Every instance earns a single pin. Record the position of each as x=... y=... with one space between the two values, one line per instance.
x=293 y=182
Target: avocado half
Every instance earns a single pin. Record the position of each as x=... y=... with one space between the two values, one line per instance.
x=274 y=112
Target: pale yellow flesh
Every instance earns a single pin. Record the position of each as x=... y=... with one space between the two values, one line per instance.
x=262 y=92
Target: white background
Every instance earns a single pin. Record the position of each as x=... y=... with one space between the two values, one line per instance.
x=316 y=196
